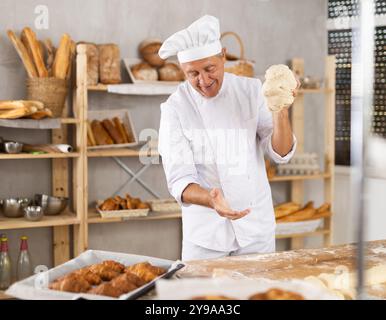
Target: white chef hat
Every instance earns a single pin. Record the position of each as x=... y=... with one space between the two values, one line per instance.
x=198 y=41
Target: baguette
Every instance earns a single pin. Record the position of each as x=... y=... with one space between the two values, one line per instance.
x=14 y=104
x=90 y=135
x=286 y=209
x=113 y=132
x=23 y=54
x=17 y=113
x=33 y=46
x=11 y=104
x=62 y=58
x=128 y=133
x=100 y=134
x=324 y=207
x=300 y=215
x=120 y=128
x=50 y=49
x=72 y=57
x=40 y=114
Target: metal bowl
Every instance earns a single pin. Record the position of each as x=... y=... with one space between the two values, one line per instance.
x=13 y=207
x=33 y=213
x=13 y=147
x=51 y=205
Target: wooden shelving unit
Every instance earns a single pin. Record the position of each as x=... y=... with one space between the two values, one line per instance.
x=60 y=187
x=297 y=119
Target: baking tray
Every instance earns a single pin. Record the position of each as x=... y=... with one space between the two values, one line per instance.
x=121 y=213
x=36 y=286
x=284 y=228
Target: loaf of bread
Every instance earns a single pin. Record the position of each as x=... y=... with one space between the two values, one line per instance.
x=149 y=51
x=23 y=54
x=118 y=124
x=90 y=135
x=113 y=132
x=100 y=134
x=144 y=71
x=62 y=58
x=50 y=50
x=92 y=64
x=29 y=40
x=300 y=215
x=171 y=72
x=109 y=64
x=286 y=209
x=129 y=133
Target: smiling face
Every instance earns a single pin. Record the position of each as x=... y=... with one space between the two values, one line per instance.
x=206 y=75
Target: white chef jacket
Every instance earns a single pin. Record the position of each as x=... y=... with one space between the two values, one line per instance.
x=193 y=132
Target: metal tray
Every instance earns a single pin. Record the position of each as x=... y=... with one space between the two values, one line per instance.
x=36 y=286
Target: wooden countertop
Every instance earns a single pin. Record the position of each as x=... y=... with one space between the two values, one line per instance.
x=296 y=264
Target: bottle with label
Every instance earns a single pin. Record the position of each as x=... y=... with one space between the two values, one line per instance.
x=24 y=265
x=5 y=264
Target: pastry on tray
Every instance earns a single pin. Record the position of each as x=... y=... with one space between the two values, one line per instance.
x=109 y=278
x=126 y=203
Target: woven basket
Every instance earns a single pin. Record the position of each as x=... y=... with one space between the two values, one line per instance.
x=51 y=91
x=239 y=66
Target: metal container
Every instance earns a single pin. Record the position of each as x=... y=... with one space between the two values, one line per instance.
x=13 y=147
x=13 y=207
x=51 y=205
x=33 y=213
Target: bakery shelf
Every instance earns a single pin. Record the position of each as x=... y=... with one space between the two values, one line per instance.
x=300 y=177
x=120 y=153
x=94 y=217
x=4 y=156
x=63 y=219
x=69 y=120
x=319 y=232
x=143 y=89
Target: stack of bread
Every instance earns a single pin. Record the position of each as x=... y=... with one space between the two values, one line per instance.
x=126 y=203
x=153 y=68
x=294 y=212
x=108 y=131
x=15 y=109
x=103 y=63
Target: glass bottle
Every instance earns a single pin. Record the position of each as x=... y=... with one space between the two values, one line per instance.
x=24 y=265
x=5 y=265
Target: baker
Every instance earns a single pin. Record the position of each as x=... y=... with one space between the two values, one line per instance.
x=214 y=131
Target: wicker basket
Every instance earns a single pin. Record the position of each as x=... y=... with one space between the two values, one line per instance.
x=51 y=91
x=239 y=66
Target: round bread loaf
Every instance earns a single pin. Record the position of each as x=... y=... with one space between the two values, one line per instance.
x=149 y=52
x=144 y=71
x=171 y=72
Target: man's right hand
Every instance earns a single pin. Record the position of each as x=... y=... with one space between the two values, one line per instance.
x=222 y=207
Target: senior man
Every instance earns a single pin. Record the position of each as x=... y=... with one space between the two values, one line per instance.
x=214 y=131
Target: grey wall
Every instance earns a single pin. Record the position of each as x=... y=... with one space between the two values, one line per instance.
x=273 y=31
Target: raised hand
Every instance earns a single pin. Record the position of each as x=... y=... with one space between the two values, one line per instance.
x=222 y=207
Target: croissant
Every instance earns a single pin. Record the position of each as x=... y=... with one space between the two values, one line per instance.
x=106 y=289
x=71 y=283
x=104 y=272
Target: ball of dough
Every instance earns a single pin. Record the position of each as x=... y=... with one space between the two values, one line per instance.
x=278 y=87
